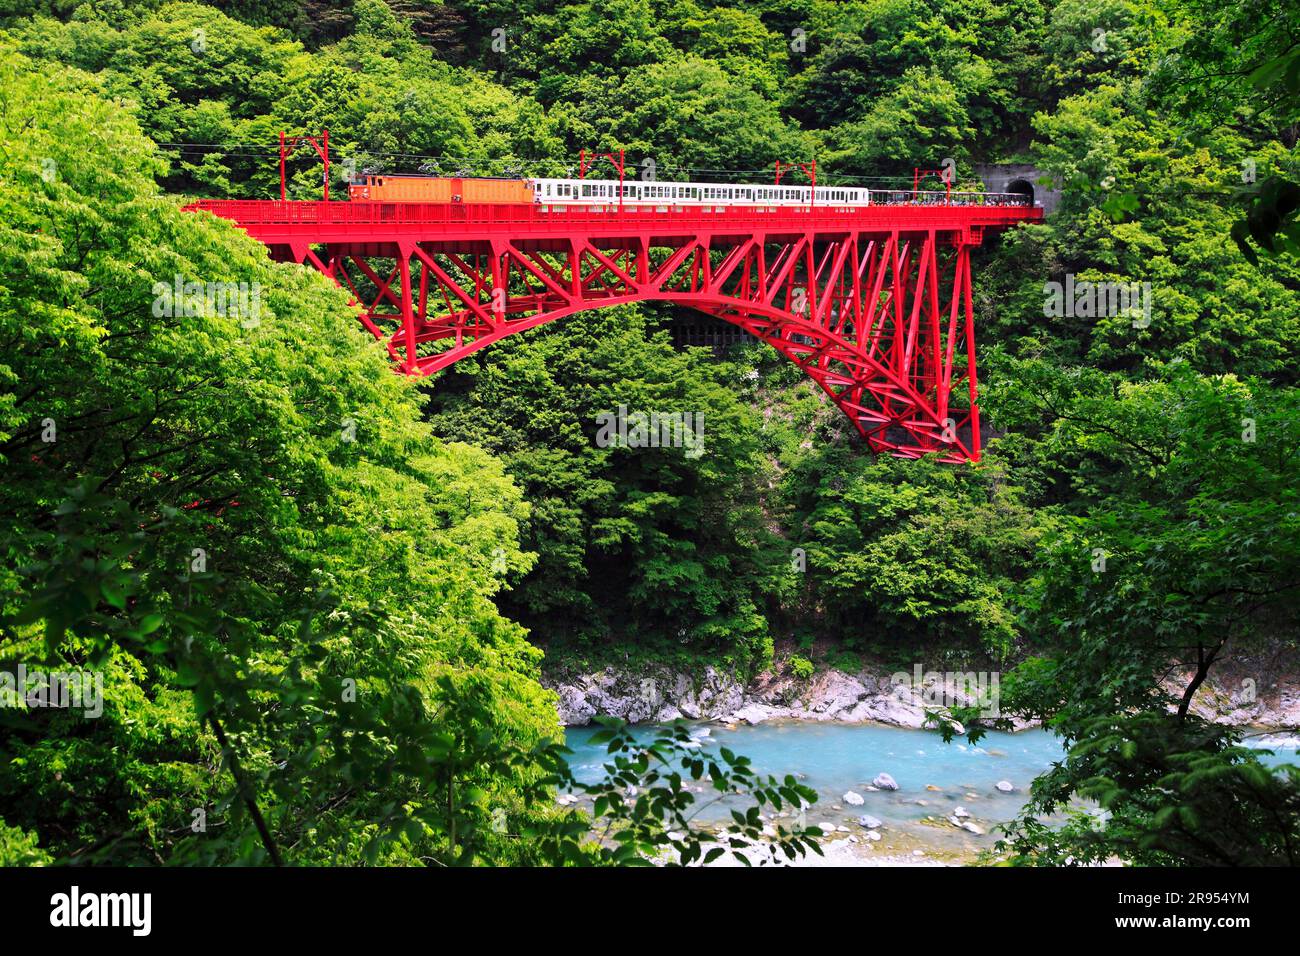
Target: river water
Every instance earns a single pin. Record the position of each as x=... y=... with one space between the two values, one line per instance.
x=933 y=778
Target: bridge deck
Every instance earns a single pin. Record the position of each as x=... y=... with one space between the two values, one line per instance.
x=291 y=223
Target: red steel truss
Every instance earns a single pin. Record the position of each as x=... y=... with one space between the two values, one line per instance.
x=873 y=303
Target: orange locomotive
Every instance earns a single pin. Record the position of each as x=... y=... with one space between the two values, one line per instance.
x=436 y=189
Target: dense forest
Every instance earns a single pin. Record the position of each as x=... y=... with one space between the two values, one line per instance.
x=321 y=594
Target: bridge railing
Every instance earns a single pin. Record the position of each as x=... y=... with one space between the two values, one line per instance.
x=906 y=197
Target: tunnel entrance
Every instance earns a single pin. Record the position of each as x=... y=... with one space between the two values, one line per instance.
x=1022 y=187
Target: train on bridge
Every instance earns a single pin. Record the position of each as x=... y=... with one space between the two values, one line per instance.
x=390 y=188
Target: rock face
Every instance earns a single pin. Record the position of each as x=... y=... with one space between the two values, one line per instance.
x=1258 y=689
x=1270 y=698
x=830 y=695
x=648 y=698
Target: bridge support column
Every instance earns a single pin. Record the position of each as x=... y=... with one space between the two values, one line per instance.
x=411 y=366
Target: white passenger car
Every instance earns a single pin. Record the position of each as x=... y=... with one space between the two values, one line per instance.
x=561 y=192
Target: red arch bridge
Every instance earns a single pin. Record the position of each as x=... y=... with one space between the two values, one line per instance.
x=873 y=303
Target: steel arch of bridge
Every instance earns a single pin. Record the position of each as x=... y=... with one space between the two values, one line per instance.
x=877 y=310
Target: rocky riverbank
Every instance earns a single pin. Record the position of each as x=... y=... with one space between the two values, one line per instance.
x=1268 y=700
x=660 y=695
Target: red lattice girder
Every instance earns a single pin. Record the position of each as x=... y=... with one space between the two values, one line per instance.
x=874 y=304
